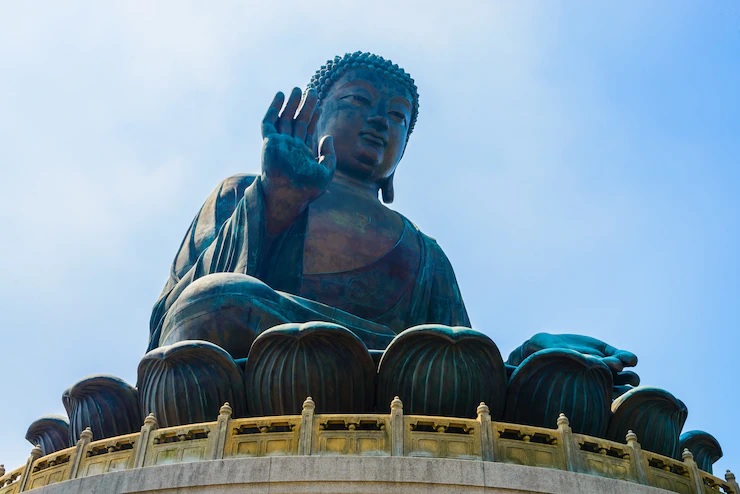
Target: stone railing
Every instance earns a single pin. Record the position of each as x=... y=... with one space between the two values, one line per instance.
x=395 y=434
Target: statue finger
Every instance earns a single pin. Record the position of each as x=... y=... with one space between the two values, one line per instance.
x=327 y=157
x=629 y=359
x=285 y=122
x=613 y=363
x=311 y=131
x=304 y=114
x=626 y=378
x=268 y=122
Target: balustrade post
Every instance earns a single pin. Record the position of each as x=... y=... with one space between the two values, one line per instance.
x=36 y=453
x=306 y=434
x=570 y=448
x=729 y=477
x=218 y=441
x=688 y=460
x=397 y=435
x=486 y=433
x=80 y=452
x=150 y=424
x=637 y=460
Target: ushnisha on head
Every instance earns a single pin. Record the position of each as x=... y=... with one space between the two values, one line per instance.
x=334 y=76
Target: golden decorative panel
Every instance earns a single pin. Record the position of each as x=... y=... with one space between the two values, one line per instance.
x=372 y=435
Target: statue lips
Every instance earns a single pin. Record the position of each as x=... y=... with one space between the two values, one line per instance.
x=374 y=138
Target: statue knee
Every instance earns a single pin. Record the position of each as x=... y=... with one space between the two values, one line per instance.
x=227 y=309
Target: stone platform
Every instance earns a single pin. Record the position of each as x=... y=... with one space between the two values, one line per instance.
x=367 y=475
x=358 y=453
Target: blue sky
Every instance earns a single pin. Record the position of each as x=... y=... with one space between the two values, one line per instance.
x=578 y=162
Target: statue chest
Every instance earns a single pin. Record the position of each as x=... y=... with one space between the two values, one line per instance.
x=348 y=239
x=379 y=288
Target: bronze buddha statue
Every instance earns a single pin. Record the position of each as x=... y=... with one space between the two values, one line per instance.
x=308 y=244
x=299 y=281
x=309 y=239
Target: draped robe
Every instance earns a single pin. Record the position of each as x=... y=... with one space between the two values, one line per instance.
x=228 y=236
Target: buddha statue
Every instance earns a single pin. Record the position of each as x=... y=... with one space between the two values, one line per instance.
x=309 y=239
x=300 y=282
x=305 y=278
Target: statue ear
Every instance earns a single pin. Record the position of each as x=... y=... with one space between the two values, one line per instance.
x=386 y=187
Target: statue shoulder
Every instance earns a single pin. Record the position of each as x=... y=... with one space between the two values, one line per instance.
x=223 y=200
x=214 y=212
x=429 y=243
x=235 y=185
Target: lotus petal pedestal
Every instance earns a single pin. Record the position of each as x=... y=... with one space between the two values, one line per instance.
x=186 y=382
x=655 y=415
x=551 y=382
x=442 y=370
x=50 y=433
x=319 y=359
x=703 y=446
x=106 y=404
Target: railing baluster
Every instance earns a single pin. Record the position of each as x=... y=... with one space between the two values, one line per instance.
x=306 y=436
x=688 y=459
x=570 y=448
x=218 y=441
x=36 y=453
x=486 y=432
x=639 y=467
x=397 y=433
x=80 y=452
x=150 y=424
x=730 y=478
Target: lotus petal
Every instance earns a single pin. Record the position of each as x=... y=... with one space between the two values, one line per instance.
x=50 y=433
x=554 y=381
x=106 y=404
x=655 y=415
x=326 y=361
x=187 y=382
x=703 y=446
x=443 y=370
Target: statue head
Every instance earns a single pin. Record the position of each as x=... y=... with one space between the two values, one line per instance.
x=370 y=106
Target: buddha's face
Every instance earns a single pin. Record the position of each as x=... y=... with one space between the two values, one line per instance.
x=368 y=114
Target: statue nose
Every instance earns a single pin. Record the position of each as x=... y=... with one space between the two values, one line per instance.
x=378 y=122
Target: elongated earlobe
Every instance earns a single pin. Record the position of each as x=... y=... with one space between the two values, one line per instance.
x=386 y=187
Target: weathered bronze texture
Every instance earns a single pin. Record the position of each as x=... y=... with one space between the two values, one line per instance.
x=655 y=415
x=442 y=370
x=554 y=381
x=614 y=358
x=703 y=446
x=308 y=239
x=311 y=227
x=106 y=404
x=50 y=433
x=185 y=382
x=317 y=359
x=300 y=281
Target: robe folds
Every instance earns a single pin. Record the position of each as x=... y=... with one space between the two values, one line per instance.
x=228 y=236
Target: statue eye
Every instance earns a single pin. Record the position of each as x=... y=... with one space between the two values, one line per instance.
x=358 y=99
x=398 y=116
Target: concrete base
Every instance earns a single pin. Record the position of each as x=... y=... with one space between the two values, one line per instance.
x=345 y=474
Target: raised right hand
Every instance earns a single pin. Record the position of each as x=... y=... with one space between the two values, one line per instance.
x=294 y=172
